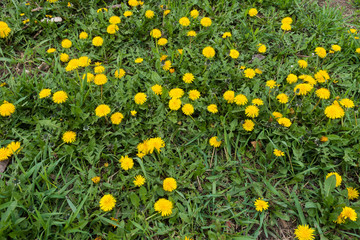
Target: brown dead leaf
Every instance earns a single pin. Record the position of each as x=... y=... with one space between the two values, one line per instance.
x=3 y=165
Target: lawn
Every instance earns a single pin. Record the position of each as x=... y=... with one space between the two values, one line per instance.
x=179 y=120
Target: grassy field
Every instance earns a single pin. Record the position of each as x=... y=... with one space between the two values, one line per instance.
x=178 y=120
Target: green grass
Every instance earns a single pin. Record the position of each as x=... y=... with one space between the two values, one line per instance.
x=46 y=191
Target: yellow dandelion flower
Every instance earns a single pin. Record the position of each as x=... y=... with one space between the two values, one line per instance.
x=249 y=73
x=95 y=179
x=116 y=118
x=107 y=202
x=352 y=193
x=102 y=110
x=322 y=93
x=126 y=162
x=334 y=111
x=169 y=184
x=157 y=89
x=229 y=96
x=261 y=205
x=252 y=111
x=4 y=154
x=140 y=98
x=303 y=232
x=83 y=35
x=212 y=108
x=248 y=125
x=188 y=78
x=139 y=180
x=302 y=63
x=205 y=22
x=338 y=178
x=44 y=93
x=284 y=122
x=194 y=13
x=214 y=142
x=208 y=52
x=60 y=97
x=234 y=53
x=69 y=137
x=188 y=109
x=176 y=93
x=64 y=57
x=282 y=98
x=253 y=12
x=175 y=104
x=347 y=103
x=194 y=94
x=321 y=52
x=66 y=43
x=155 y=33
x=184 y=21
x=149 y=14
x=164 y=207
x=278 y=153
x=100 y=79
x=97 y=41
x=240 y=100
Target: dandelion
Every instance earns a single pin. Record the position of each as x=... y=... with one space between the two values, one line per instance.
x=234 y=53
x=140 y=98
x=44 y=93
x=127 y=13
x=277 y=115
x=120 y=73
x=226 y=35
x=60 y=97
x=229 y=96
x=252 y=111
x=176 y=93
x=139 y=60
x=214 y=142
x=249 y=73
x=322 y=76
x=212 y=108
x=278 y=153
x=174 y=104
x=248 y=125
x=352 y=193
x=133 y=113
x=286 y=27
x=100 y=79
x=155 y=33
x=302 y=63
x=116 y=118
x=162 y=41
x=194 y=13
x=261 y=205
x=334 y=111
x=271 y=84
x=240 y=100
x=336 y=48
x=167 y=65
x=253 y=12
x=4 y=154
x=97 y=41
x=69 y=137
x=51 y=50
x=107 y=202
x=83 y=35
x=287 y=20
x=188 y=78
x=166 y=12
x=139 y=180
x=261 y=48
x=169 y=184
x=205 y=22
x=347 y=103
x=84 y=61
x=126 y=162
x=191 y=34
x=184 y=21
x=102 y=110
x=324 y=139
x=64 y=57
x=302 y=89
x=291 y=78
x=348 y=213
x=149 y=14
x=257 y=102
x=322 y=93
x=112 y=29
x=303 y=232
x=188 y=109
x=157 y=89
x=164 y=207
x=284 y=122
x=194 y=94
x=89 y=77
x=72 y=65
x=338 y=178
x=66 y=43
x=208 y=52
x=133 y=3
x=114 y=20
x=4 y=29
x=13 y=147
x=282 y=98
x=95 y=179
x=321 y=52
x=180 y=51
x=357 y=50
